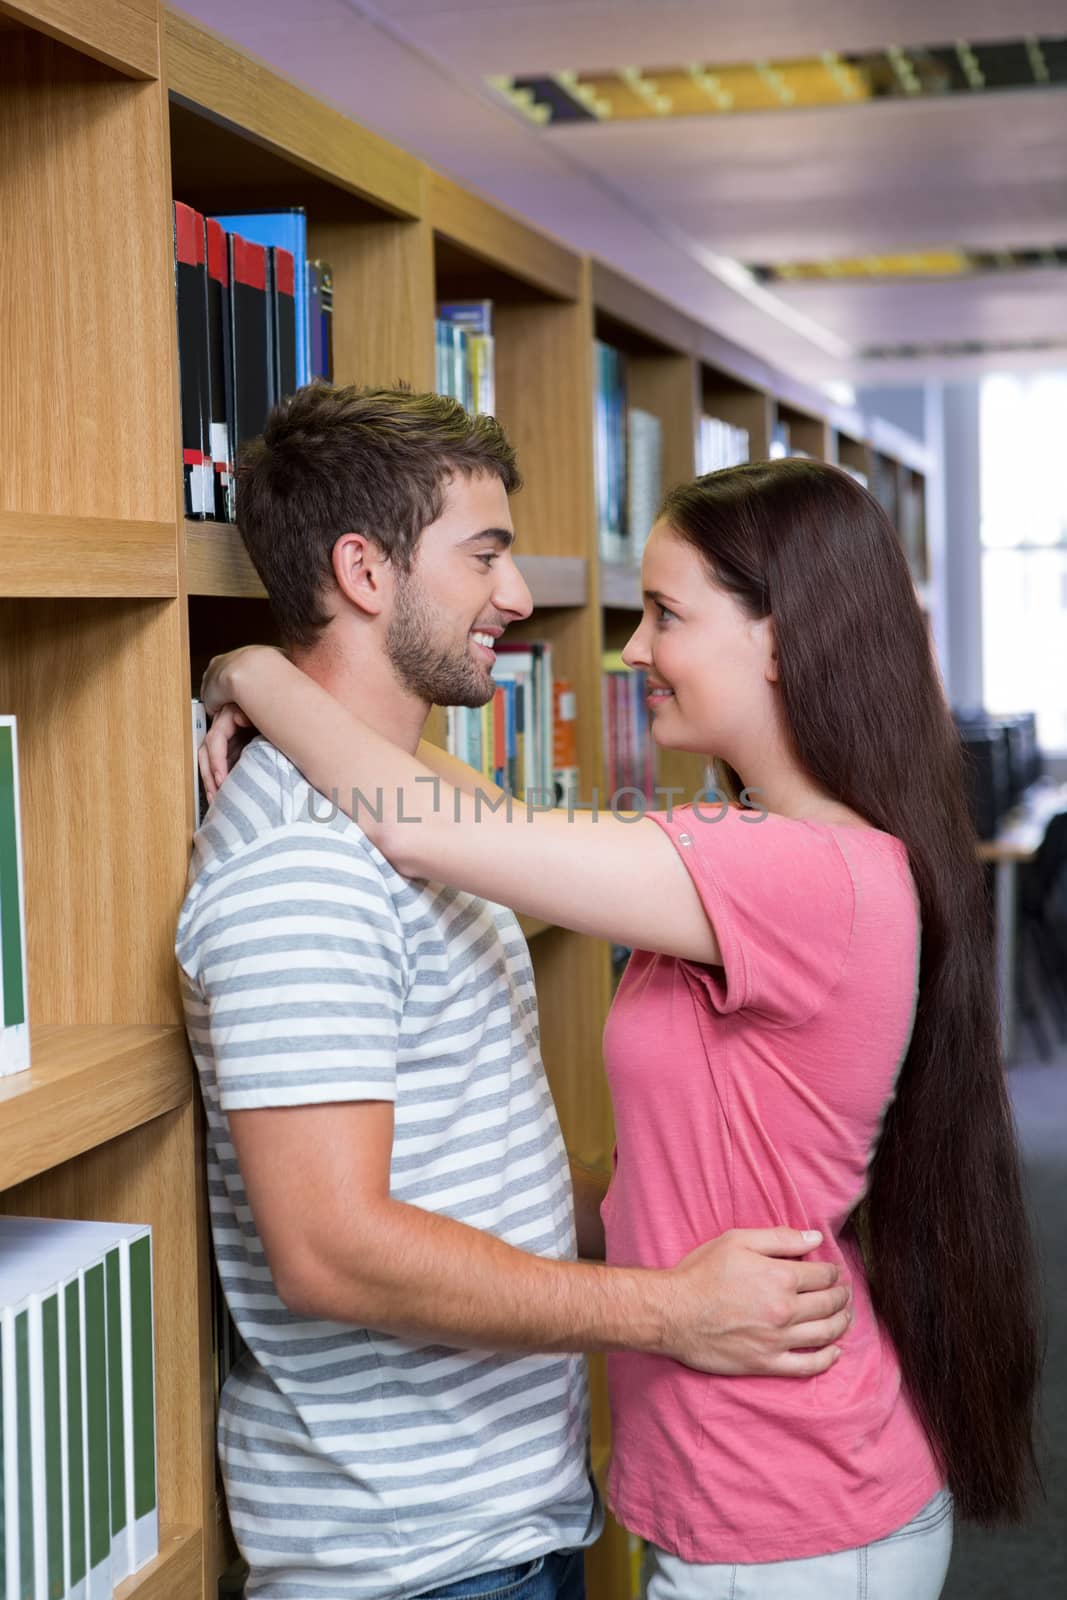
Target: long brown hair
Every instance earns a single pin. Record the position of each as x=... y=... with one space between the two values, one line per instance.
x=944 y=1223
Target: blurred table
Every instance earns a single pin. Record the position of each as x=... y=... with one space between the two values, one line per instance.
x=1017 y=840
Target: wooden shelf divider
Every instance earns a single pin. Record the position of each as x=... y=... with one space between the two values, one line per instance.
x=175 y=1574
x=86 y=1086
x=86 y=558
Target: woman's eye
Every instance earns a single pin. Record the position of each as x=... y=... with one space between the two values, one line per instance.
x=663 y=613
x=488 y=556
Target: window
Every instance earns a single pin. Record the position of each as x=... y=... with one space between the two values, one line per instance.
x=1024 y=549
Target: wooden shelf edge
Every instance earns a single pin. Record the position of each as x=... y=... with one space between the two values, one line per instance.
x=620 y=586
x=532 y=926
x=216 y=563
x=210 y=73
x=86 y=558
x=556 y=581
x=86 y=1085
x=504 y=240
x=115 y=32
x=175 y=1574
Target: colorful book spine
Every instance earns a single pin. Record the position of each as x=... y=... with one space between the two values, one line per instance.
x=220 y=369
x=190 y=283
x=610 y=451
x=565 y=773
x=320 y=320
x=14 y=993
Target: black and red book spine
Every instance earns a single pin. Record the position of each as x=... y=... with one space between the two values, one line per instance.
x=190 y=282
x=220 y=368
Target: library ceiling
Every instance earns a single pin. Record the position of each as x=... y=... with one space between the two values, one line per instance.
x=828 y=177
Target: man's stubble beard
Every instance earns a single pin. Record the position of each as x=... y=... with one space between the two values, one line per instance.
x=442 y=675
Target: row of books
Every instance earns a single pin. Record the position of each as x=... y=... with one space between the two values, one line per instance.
x=255 y=321
x=629 y=749
x=14 y=995
x=77 y=1407
x=525 y=738
x=720 y=445
x=464 y=354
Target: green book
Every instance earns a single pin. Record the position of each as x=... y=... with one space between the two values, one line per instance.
x=14 y=1003
x=106 y=1397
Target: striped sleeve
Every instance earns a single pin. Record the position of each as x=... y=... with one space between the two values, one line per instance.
x=297 y=955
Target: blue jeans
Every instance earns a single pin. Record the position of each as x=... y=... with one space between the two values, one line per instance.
x=909 y=1564
x=559 y=1576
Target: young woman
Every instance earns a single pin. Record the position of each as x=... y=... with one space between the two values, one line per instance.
x=806 y=1034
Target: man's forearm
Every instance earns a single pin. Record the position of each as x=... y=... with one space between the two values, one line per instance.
x=423 y=1276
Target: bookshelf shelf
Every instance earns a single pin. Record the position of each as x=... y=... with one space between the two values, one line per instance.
x=87 y=1085
x=532 y=926
x=216 y=563
x=620 y=587
x=85 y=558
x=556 y=580
x=175 y=1574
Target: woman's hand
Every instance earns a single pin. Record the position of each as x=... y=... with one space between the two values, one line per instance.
x=230 y=731
x=219 y=685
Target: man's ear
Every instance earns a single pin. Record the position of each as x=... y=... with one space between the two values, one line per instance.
x=361 y=571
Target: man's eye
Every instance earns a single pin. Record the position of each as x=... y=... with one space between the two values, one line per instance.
x=488 y=556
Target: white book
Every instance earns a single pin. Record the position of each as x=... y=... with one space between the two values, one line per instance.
x=122 y=1279
x=32 y=1304
x=17 y=1484
x=14 y=993
x=199 y=735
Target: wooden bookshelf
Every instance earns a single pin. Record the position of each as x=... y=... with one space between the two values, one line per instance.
x=111 y=602
x=85 y=1086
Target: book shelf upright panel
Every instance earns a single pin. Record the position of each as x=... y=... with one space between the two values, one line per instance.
x=92 y=650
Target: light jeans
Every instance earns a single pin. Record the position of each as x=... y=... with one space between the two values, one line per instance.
x=910 y=1564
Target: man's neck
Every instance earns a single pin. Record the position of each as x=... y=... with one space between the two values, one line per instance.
x=368 y=687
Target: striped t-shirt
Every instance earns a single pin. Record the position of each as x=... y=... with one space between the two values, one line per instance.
x=358 y=1464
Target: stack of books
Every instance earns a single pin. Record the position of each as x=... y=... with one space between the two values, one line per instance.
x=611 y=443
x=629 y=749
x=464 y=355
x=720 y=445
x=255 y=321
x=77 y=1406
x=14 y=999
x=510 y=740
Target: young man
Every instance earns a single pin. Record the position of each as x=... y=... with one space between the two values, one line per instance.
x=391 y=1201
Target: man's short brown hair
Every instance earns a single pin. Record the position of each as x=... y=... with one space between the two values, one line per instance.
x=333 y=461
